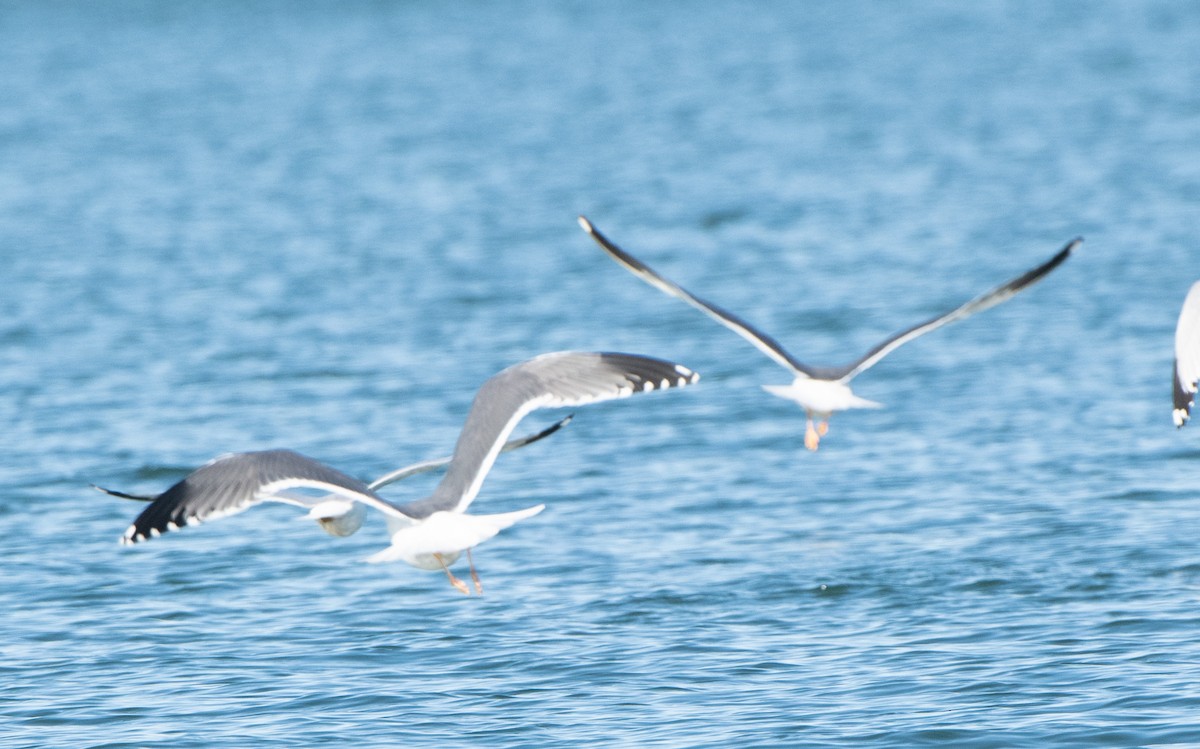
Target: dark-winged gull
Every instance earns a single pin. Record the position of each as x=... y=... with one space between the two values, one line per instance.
x=433 y=532
x=822 y=391
x=1187 y=355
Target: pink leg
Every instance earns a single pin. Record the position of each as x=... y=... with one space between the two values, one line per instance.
x=811 y=438
x=474 y=574
x=459 y=584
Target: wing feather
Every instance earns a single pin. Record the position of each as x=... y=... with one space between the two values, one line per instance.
x=761 y=340
x=435 y=463
x=235 y=482
x=549 y=381
x=988 y=299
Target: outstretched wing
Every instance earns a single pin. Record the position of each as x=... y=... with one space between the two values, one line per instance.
x=549 y=381
x=435 y=463
x=989 y=299
x=761 y=340
x=232 y=483
x=1187 y=355
x=388 y=478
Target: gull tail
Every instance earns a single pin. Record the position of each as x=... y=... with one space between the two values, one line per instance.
x=845 y=399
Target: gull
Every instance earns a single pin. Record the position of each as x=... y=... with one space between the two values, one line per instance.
x=822 y=391
x=433 y=532
x=1187 y=355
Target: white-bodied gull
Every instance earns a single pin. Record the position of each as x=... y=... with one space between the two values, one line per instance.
x=1187 y=356
x=822 y=391
x=430 y=533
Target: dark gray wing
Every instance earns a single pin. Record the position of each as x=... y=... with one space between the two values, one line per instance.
x=435 y=463
x=565 y=378
x=761 y=340
x=991 y=298
x=232 y=483
x=1187 y=355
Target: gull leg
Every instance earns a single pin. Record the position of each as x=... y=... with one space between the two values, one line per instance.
x=823 y=427
x=811 y=438
x=459 y=584
x=474 y=574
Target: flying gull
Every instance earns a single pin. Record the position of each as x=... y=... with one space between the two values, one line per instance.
x=1187 y=355
x=430 y=533
x=823 y=391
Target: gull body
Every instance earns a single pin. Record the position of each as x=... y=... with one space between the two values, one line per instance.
x=823 y=391
x=425 y=545
x=820 y=398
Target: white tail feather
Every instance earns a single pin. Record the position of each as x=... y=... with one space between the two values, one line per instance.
x=820 y=396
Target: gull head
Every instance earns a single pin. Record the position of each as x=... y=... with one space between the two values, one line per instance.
x=337 y=516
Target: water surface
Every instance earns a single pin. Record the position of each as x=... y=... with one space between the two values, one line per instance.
x=236 y=226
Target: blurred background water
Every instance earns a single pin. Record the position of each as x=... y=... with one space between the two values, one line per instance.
x=234 y=226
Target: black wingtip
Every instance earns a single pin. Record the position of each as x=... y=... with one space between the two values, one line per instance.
x=1063 y=254
x=608 y=244
x=554 y=427
x=1044 y=269
x=123 y=495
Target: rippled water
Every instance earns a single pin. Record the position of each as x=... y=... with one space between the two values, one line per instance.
x=237 y=226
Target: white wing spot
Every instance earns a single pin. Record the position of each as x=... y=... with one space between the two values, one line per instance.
x=647 y=386
x=171 y=526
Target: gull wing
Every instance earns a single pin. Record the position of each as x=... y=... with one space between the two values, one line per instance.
x=282 y=496
x=761 y=340
x=235 y=482
x=565 y=378
x=435 y=463
x=988 y=299
x=1187 y=355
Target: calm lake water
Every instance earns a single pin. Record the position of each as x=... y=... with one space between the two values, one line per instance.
x=235 y=226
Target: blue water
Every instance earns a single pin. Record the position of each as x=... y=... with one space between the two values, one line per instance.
x=235 y=226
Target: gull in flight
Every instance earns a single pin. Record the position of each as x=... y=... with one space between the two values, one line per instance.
x=823 y=391
x=1187 y=355
x=430 y=533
